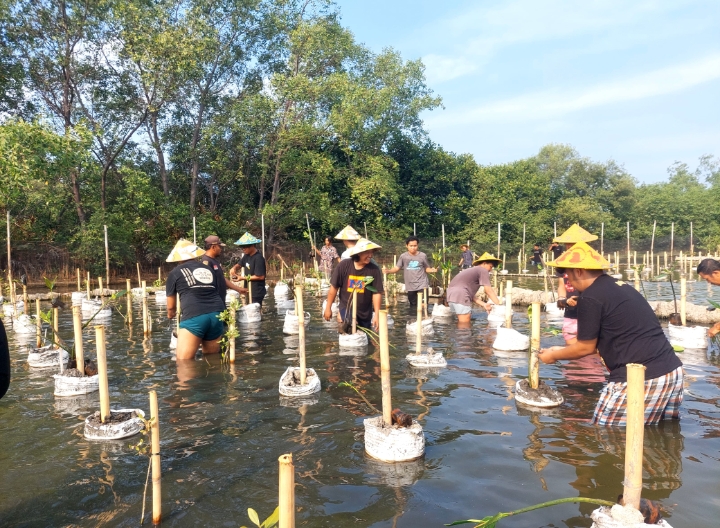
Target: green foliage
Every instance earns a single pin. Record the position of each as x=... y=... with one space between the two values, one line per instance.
x=270 y=522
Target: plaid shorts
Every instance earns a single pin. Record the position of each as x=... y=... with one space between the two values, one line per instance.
x=663 y=397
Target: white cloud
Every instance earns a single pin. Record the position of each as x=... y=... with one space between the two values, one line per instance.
x=557 y=102
x=439 y=68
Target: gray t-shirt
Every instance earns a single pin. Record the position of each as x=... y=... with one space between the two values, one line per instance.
x=465 y=285
x=414 y=266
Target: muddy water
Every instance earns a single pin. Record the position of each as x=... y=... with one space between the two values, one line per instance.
x=223 y=428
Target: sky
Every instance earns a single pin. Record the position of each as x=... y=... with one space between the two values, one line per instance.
x=633 y=81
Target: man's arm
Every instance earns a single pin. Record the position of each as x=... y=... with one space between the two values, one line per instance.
x=377 y=303
x=230 y=284
x=577 y=350
x=171 y=306
x=491 y=294
x=392 y=270
x=332 y=293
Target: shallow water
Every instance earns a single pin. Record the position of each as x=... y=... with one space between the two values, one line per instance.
x=223 y=428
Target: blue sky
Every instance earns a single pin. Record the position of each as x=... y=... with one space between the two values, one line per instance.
x=633 y=81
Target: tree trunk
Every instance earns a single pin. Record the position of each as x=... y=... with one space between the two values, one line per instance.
x=76 y=197
x=196 y=161
x=155 y=140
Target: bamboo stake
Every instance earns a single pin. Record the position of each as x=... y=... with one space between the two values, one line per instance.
x=385 y=287
x=249 y=283
x=301 y=333
x=665 y=259
x=683 y=300
x=634 y=258
x=231 y=311
x=385 y=369
x=635 y=430
x=425 y=301
x=100 y=286
x=56 y=325
x=77 y=331
x=637 y=281
x=354 y=312
x=535 y=346
x=194 y=232
x=38 y=324
x=508 y=304
x=9 y=265
x=602 y=236
x=146 y=329
x=102 y=373
x=286 y=518
x=672 y=240
x=159 y=274
x=177 y=317
x=137 y=265
x=498 y=247
x=78 y=280
x=414 y=230
x=128 y=298
x=418 y=326
x=88 y=285
x=156 y=465
x=26 y=301
x=262 y=232
x=503 y=260
x=107 y=260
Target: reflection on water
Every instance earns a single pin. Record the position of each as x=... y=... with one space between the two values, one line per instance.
x=224 y=426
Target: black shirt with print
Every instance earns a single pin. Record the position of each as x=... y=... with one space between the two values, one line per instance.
x=197 y=286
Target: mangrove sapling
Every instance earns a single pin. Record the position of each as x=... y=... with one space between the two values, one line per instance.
x=231 y=331
x=367 y=402
x=270 y=522
x=491 y=521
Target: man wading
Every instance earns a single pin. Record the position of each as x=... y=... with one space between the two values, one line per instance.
x=352 y=275
x=465 y=285
x=213 y=250
x=416 y=266
x=253 y=263
x=617 y=321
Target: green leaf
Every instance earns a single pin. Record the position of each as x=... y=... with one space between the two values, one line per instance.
x=273 y=519
x=254 y=516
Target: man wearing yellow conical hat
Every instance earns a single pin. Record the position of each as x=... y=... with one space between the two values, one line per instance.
x=464 y=287
x=618 y=322
x=349 y=237
x=198 y=289
x=567 y=296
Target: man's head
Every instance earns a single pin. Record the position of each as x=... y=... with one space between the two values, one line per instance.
x=536 y=246
x=213 y=246
x=349 y=236
x=362 y=251
x=581 y=279
x=412 y=243
x=464 y=247
x=486 y=259
x=582 y=264
x=709 y=270
x=488 y=265
x=249 y=250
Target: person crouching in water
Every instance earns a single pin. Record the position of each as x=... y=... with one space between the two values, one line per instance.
x=617 y=321
x=352 y=275
x=464 y=287
x=416 y=266
x=197 y=286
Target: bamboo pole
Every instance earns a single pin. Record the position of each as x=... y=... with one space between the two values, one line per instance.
x=77 y=331
x=100 y=286
x=443 y=242
x=602 y=236
x=9 y=264
x=137 y=265
x=385 y=287
x=634 y=258
x=87 y=283
x=425 y=300
x=414 y=230
x=231 y=344
x=354 y=311
x=26 y=301
x=665 y=260
x=498 y=245
x=628 y=245
x=159 y=274
x=194 y=232
x=508 y=304
x=156 y=463
x=635 y=430
x=146 y=326
x=286 y=518
x=78 y=280
x=38 y=324
x=102 y=373
x=107 y=259
x=535 y=347
x=672 y=240
x=262 y=232
x=56 y=325
x=385 y=369
x=128 y=298
x=683 y=300
x=301 y=333
x=177 y=317
x=418 y=326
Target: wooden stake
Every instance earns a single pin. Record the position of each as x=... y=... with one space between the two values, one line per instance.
x=602 y=236
x=385 y=368
x=159 y=274
x=286 y=501
x=387 y=297
x=683 y=300
x=38 y=324
x=155 y=455
x=9 y=264
x=107 y=260
x=26 y=301
x=635 y=430
x=301 y=333
x=56 y=325
x=102 y=373
x=425 y=301
x=128 y=298
x=262 y=233
x=177 y=317
x=137 y=265
x=88 y=285
x=418 y=326
x=508 y=304
x=77 y=331
x=231 y=344
x=354 y=312
x=100 y=286
x=146 y=326
x=534 y=374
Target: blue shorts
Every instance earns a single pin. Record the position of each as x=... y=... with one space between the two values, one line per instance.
x=207 y=327
x=460 y=309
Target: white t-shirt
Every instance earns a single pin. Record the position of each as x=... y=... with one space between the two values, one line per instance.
x=345 y=254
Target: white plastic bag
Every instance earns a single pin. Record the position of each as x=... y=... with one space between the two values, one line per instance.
x=688 y=336
x=291 y=326
x=358 y=339
x=510 y=339
x=250 y=314
x=290 y=382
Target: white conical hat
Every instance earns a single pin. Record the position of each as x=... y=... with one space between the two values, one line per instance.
x=184 y=250
x=363 y=245
x=348 y=233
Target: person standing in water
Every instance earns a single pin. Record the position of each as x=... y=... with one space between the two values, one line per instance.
x=253 y=263
x=466 y=257
x=213 y=251
x=328 y=256
x=416 y=266
x=536 y=259
x=464 y=287
x=709 y=270
x=349 y=237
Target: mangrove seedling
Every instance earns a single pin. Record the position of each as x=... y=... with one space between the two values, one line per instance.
x=367 y=402
x=267 y=523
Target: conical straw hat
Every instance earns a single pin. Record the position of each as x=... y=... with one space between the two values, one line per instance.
x=581 y=256
x=362 y=245
x=247 y=240
x=348 y=233
x=486 y=257
x=184 y=250
x=575 y=234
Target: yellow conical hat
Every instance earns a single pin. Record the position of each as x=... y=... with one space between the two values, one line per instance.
x=348 y=233
x=575 y=234
x=363 y=245
x=184 y=250
x=486 y=257
x=581 y=256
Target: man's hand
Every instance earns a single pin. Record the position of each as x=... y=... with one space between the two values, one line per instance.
x=374 y=322
x=546 y=354
x=171 y=313
x=572 y=301
x=714 y=330
x=243 y=290
x=327 y=314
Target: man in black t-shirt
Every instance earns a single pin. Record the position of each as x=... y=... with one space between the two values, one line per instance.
x=617 y=321
x=536 y=259
x=253 y=263
x=213 y=250
x=351 y=275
